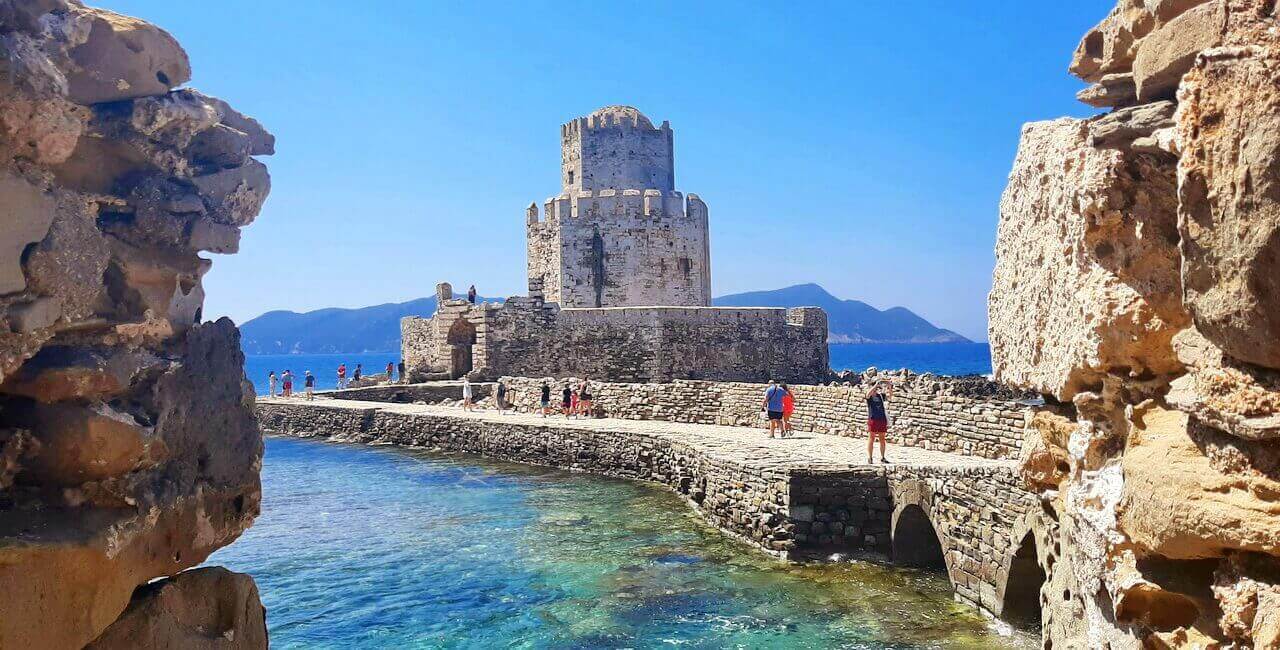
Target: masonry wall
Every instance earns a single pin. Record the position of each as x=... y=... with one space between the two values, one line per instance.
x=634 y=344
x=927 y=413
x=620 y=248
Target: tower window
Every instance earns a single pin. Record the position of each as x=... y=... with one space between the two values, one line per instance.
x=571 y=177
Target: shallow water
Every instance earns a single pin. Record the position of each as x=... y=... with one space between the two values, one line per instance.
x=361 y=547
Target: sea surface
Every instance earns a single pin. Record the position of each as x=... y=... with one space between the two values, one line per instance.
x=938 y=358
x=379 y=547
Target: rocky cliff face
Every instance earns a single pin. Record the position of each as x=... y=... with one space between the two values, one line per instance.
x=129 y=449
x=1138 y=288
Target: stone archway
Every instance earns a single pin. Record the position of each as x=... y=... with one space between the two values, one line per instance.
x=1020 y=604
x=461 y=339
x=915 y=542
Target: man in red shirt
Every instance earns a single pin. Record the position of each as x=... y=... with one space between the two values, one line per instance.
x=342 y=376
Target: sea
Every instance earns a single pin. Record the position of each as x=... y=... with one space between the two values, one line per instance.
x=938 y=358
x=381 y=547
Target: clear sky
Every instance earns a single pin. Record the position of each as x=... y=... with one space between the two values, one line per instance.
x=860 y=145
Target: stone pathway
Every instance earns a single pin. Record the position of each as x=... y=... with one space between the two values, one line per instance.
x=744 y=445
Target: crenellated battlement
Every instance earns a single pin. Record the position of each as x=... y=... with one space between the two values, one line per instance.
x=607 y=204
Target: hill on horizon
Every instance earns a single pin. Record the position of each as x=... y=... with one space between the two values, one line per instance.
x=848 y=321
x=377 y=328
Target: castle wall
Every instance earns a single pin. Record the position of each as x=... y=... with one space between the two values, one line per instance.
x=631 y=344
x=617 y=248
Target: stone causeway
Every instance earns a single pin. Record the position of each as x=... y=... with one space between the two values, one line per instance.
x=811 y=494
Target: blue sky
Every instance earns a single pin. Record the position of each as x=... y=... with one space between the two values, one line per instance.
x=859 y=145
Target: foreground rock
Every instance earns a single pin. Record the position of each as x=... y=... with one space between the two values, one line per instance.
x=201 y=609
x=1137 y=286
x=129 y=449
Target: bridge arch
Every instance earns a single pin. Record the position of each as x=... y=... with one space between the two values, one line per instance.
x=915 y=541
x=1023 y=577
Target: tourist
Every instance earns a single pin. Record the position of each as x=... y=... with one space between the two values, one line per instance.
x=788 y=407
x=877 y=418
x=401 y=369
x=467 y=404
x=573 y=402
x=391 y=372
x=584 y=399
x=471 y=294
x=271 y=383
x=309 y=382
x=566 y=399
x=355 y=376
x=286 y=382
x=773 y=407
x=546 y=399
x=500 y=397
x=342 y=376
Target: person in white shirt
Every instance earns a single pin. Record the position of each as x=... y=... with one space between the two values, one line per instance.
x=467 y=404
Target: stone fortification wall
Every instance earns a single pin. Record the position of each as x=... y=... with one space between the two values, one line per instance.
x=634 y=344
x=129 y=449
x=1136 y=286
x=621 y=247
x=927 y=412
x=974 y=512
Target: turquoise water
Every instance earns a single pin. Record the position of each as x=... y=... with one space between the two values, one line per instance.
x=361 y=547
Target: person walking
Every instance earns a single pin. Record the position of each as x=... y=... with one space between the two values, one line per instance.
x=773 y=407
x=391 y=372
x=584 y=400
x=309 y=383
x=500 y=397
x=467 y=404
x=788 y=407
x=878 y=418
x=566 y=400
x=546 y=399
x=342 y=376
x=471 y=294
x=271 y=383
x=400 y=367
x=286 y=382
x=355 y=376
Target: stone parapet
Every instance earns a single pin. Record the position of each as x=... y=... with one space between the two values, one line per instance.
x=924 y=414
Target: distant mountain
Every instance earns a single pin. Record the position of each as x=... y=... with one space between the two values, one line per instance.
x=849 y=321
x=324 y=331
x=377 y=328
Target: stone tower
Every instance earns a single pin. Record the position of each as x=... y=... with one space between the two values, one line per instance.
x=619 y=234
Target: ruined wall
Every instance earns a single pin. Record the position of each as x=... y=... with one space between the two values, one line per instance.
x=1137 y=286
x=129 y=449
x=927 y=412
x=633 y=344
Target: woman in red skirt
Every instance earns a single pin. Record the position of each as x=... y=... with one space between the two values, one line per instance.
x=877 y=418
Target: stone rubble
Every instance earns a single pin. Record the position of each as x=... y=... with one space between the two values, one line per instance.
x=1137 y=287
x=129 y=449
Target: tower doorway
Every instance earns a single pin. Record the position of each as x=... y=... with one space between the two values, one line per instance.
x=461 y=339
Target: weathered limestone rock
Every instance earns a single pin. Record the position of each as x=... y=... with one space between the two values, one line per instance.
x=129 y=450
x=1084 y=260
x=1190 y=492
x=1167 y=54
x=1229 y=212
x=201 y=609
x=1167 y=511
x=117 y=57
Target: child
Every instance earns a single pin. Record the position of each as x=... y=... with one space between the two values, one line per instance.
x=788 y=407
